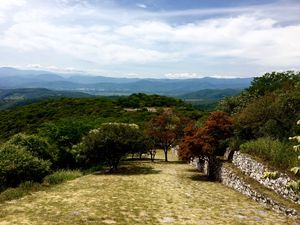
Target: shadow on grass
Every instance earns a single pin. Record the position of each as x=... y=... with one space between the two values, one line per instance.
x=201 y=177
x=192 y=170
x=162 y=161
x=128 y=161
x=130 y=170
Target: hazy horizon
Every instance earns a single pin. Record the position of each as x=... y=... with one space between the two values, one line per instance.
x=151 y=39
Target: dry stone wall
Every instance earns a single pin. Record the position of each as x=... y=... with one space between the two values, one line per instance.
x=229 y=178
x=255 y=170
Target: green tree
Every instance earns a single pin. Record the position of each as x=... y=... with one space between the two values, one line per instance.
x=38 y=146
x=270 y=82
x=108 y=143
x=270 y=115
x=18 y=165
x=64 y=134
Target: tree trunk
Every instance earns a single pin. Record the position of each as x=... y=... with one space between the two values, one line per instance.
x=166 y=154
x=212 y=167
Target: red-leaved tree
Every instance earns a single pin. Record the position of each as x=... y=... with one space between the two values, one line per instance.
x=165 y=129
x=203 y=142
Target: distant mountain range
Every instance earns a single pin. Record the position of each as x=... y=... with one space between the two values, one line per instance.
x=100 y=85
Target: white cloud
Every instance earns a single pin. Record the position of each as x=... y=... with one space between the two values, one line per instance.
x=105 y=36
x=185 y=75
x=143 y=6
x=260 y=40
x=9 y=4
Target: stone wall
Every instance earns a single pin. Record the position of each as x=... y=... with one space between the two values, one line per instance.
x=229 y=178
x=201 y=165
x=255 y=170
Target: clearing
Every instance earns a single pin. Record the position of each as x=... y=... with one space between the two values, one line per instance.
x=144 y=193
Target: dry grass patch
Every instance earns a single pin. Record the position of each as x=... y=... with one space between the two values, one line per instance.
x=144 y=193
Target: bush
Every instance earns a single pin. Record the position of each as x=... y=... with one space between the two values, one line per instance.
x=38 y=146
x=62 y=176
x=18 y=165
x=15 y=193
x=278 y=154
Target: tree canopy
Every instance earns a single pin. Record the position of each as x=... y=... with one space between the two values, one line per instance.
x=203 y=142
x=165 y=129
x=109 y=143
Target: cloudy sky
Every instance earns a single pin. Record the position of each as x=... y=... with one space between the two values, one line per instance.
x=151 y=38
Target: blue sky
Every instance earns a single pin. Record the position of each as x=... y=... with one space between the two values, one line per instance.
x=151 y=38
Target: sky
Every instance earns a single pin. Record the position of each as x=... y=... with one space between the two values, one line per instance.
x=151 y=38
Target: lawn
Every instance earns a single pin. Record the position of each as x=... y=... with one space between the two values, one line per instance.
x=141 y=193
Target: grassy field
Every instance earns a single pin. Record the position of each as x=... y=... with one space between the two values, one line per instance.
x=141 y=193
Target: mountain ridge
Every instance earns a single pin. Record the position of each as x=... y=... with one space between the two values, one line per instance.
x=100 y=85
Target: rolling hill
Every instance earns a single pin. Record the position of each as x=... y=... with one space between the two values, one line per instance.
x=100 y=85
x=10 y=98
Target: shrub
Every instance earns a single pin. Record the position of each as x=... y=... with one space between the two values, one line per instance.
x=38 y=146
x=18 y=165
x=277 y=153
x=62 y=176
x=19 y=192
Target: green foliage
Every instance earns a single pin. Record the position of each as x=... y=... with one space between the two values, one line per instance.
x=294 y=185
x=271 y=175
x=278 y=154
x=108 y=143
x=31 y=117
x=296 y=169
x=270 y=82
x=63 y=134
x=90 y=112
x=234 y=143
x=143 y=100
x=61 y=176
x=274 y=109
x=22 y=190
x=235 y=104
x=11 y=98
x=18 y=165
x=208 y=99
x=36 y=145
x=280 y=82
x=271 y=115
x=210 y=94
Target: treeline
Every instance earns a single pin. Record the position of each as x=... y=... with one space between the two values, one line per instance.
x=269 y=107
x=81 y=133
x=259 y=121
x=48 y=136
x=91 y=111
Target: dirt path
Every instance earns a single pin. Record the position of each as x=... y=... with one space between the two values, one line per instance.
x=149 y=193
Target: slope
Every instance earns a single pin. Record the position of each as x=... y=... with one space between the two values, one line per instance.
x=144 y=193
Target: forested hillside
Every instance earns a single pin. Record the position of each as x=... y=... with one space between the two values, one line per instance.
x=10 y=98
x=82 y=132
x=48 y=135
x=208 y=98
x=260 y=121
x=90 y=111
